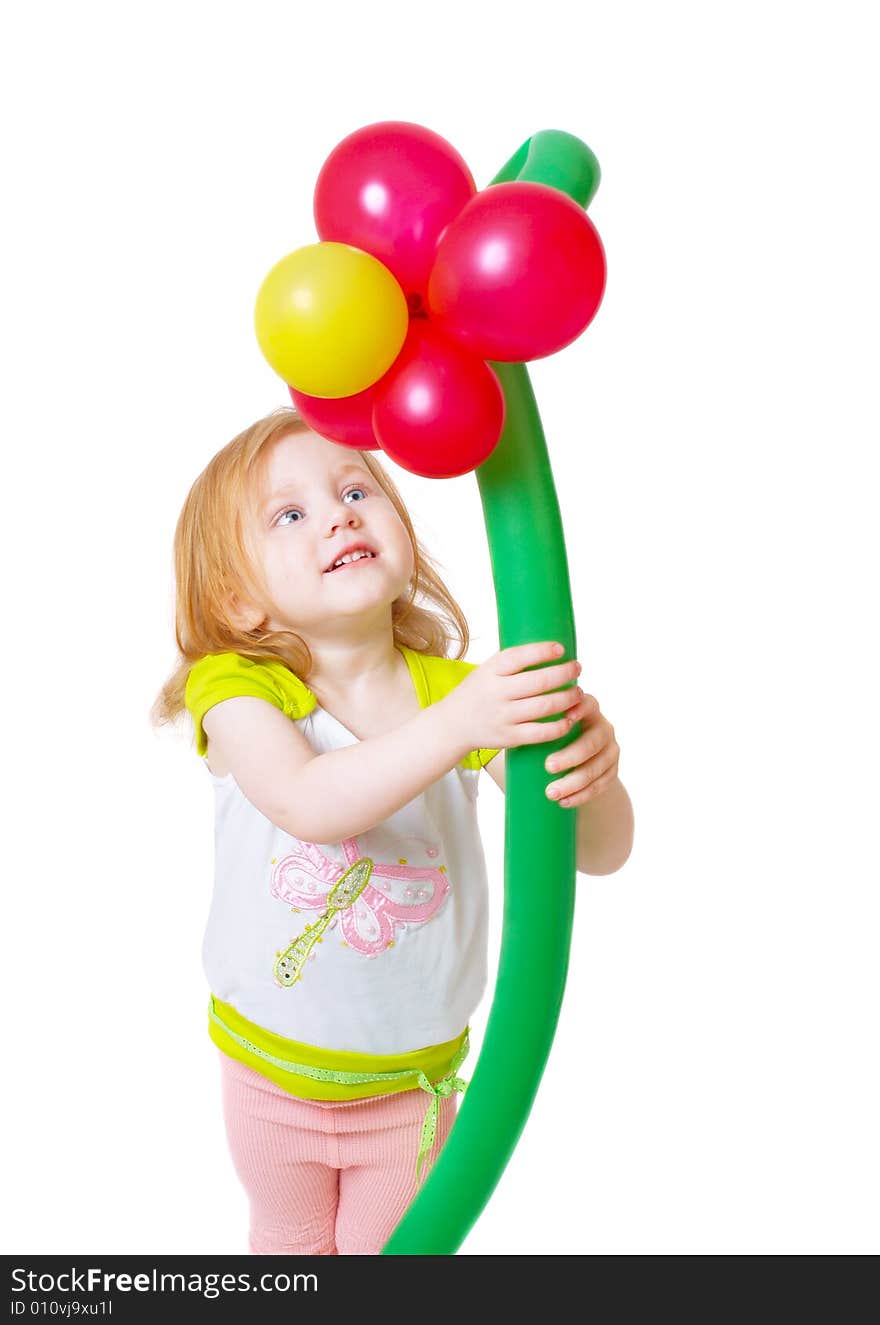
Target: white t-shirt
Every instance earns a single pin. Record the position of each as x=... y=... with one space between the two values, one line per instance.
x=389 y=961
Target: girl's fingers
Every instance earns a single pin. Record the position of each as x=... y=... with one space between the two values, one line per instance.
x=591 y=792
x=544 y=679
x=536 y=733
x=518 y=656
x=588 y=778
x=546 y=706
x=579 y=750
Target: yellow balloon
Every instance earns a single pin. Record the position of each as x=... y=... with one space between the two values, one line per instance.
x=330 y=319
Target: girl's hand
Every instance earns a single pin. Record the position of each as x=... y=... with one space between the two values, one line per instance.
x=498 y=704
x=592 y=757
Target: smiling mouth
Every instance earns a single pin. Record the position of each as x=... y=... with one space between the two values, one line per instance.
x=346 y=565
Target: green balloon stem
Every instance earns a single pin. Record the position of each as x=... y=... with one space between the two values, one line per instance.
x=533 y=593
x=555 y=158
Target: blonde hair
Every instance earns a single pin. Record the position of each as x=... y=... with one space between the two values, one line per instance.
x=214 y=565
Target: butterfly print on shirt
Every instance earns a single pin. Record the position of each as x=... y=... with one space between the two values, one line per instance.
x=368 y=898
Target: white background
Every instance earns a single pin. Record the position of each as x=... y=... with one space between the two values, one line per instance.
x=713 y=1086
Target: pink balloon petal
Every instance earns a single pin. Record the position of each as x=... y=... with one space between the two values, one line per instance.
x=345 y=419
x=391 y=189
x=519 y=274
x=439 y=411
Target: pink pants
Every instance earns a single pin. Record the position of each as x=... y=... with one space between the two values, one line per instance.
x=324 y=1177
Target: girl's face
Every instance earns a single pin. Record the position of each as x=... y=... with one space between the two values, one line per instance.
x=318 y=501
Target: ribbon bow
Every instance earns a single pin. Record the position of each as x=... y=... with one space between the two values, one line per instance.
x=440 y=1090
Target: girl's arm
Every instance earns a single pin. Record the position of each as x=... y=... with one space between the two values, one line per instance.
x=332 y=796
x=329 y=797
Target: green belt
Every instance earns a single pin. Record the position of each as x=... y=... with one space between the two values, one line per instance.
x=437 y=1090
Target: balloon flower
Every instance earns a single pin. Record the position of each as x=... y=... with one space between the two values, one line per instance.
x=407 y=329
x=382 y=331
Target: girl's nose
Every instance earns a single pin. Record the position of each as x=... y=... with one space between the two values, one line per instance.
x=343 y=515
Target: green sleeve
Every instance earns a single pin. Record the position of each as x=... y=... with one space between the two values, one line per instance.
x=222 y=676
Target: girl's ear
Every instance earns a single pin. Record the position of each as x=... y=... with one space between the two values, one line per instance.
x=242 y=614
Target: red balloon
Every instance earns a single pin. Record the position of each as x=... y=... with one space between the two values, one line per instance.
x=344 y=419
x=391 y=189
x=439 y=411
x=519 y=273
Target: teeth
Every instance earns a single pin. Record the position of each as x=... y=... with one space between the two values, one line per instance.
x=350 y=556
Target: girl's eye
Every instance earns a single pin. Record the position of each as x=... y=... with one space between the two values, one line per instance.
x=294 y=510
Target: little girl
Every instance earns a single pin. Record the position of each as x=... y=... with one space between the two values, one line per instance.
x=346 y=943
